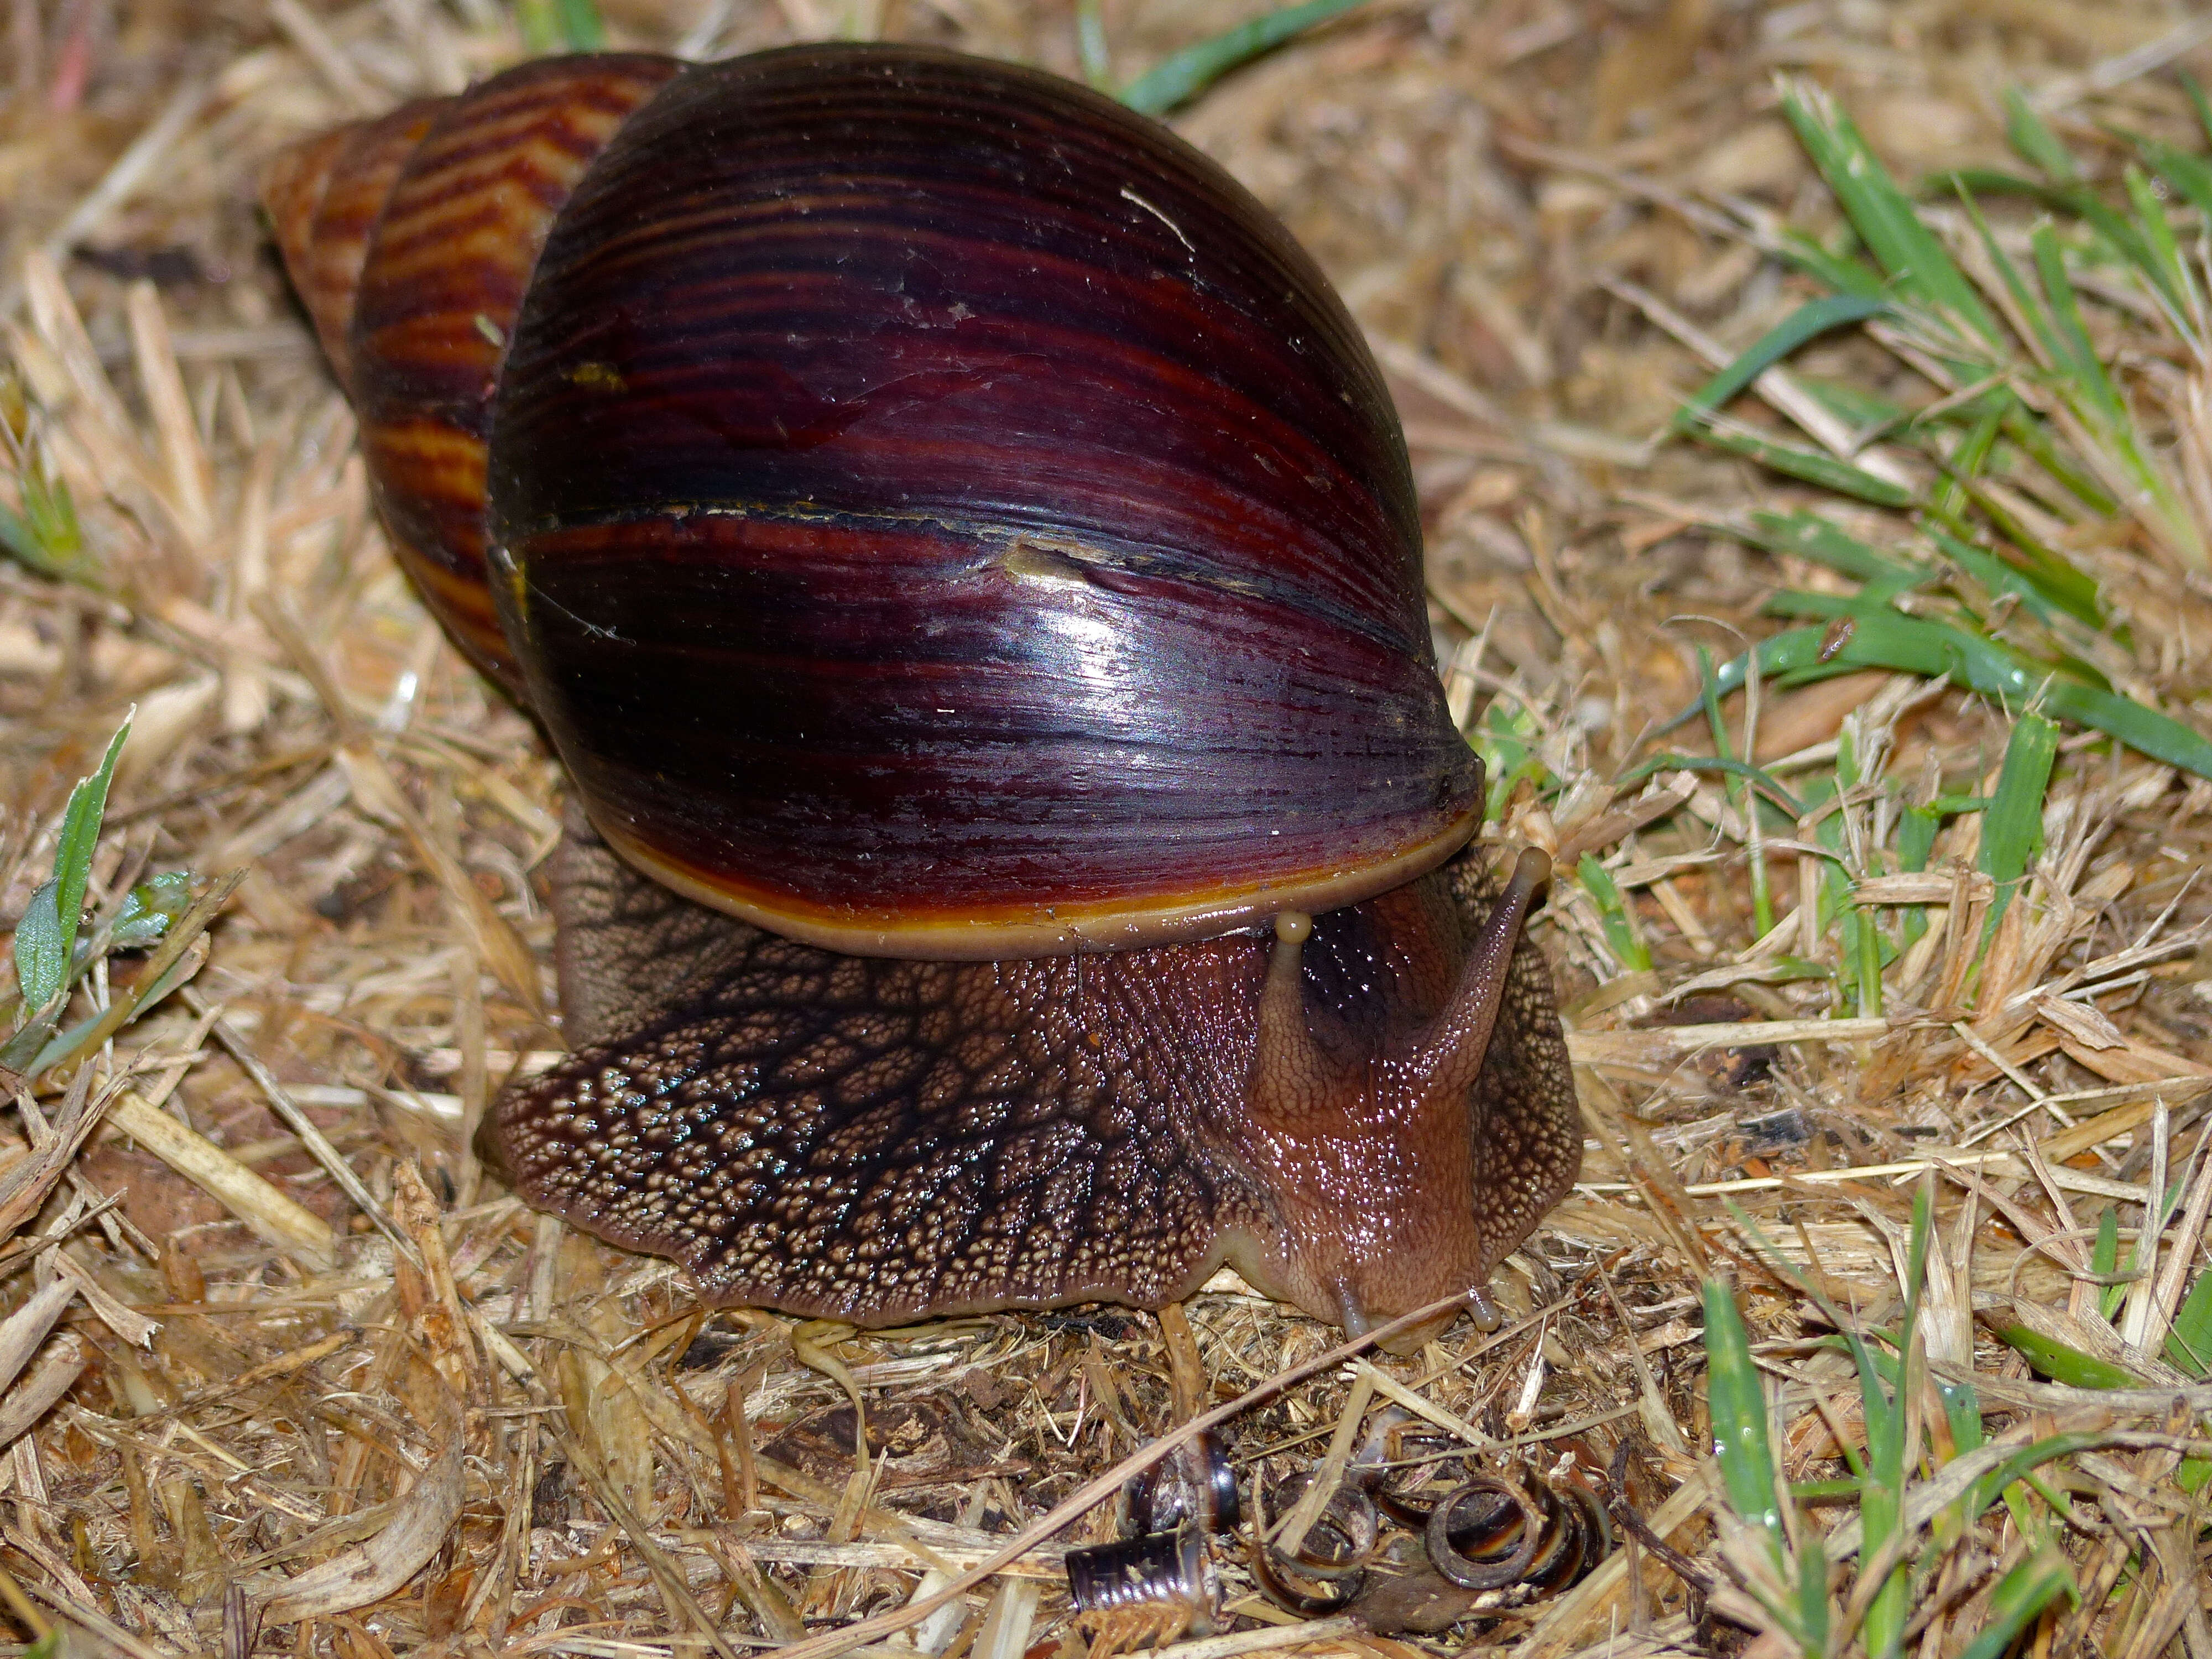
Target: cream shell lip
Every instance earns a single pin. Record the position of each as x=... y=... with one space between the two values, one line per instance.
x=1060 y=930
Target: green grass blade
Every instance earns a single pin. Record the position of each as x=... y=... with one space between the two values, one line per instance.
x=1613 y=914
x=1918 y=827
x=2167 y=268
x=1811 y=466
x=1182 y=77
x=581 y=28
x=1812 y=1631
x=1997 y=578
x=2027 y=132
x=1917 y=830
x=1882 y=214
x=1967 y=460
x=42 y=949
x=1881 y=1512
x=1809 y=536
x=1962 y=1410
x=2025 y=301
x=2144 y=730
x=2127 y=239
x=23 y=544
x=1887 y=1417
x=2188 y=1349
x=2056 y=576
x=2032 y=1457
x=1091 y=45
x=80 y=832
x=45 y=535
x=1916 y=1263
x=47 y=934
x=2020 y=1597
x=16 y=537
x=2063 y=1363
x=540 y=25
x=1737 y=1405
x=1994 y=578
x=1762 y=892
x=2028 y=430
x=144 y=996
x=150 y=909
x=1995 y=181
x=2011 y=830
x=1879 y=638
x=30 y=1037
x=1510 y=744
x=1795 y=654
x=1809 y=322
x=550 y=26
x=1839 y=271
x=2089 y=388
x=2078 y=360
x=2104 y=1261
x=166 y=969
x=2197 y=102
x=2189 y=176
x=2188 y=1340
x=1709 y=695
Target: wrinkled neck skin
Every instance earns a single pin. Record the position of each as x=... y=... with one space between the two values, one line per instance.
x=1360 y=1117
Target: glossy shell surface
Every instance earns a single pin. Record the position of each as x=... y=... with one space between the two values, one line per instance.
x=943 y=514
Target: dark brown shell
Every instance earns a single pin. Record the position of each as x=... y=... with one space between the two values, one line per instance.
x=940 y=512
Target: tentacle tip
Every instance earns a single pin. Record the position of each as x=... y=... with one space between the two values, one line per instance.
x=491 y=1150
x=1294 y=927
x=1350 y=1311
x=1531 y=869
x=1480 y=1307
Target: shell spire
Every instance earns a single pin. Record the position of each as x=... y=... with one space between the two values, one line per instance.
x=412 y=240
x=324 y=196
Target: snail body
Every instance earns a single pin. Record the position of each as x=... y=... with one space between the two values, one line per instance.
x=965 y=556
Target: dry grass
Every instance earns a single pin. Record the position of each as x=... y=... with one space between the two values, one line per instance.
x=273 y=1323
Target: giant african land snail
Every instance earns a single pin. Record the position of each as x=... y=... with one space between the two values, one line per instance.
x=943 y=521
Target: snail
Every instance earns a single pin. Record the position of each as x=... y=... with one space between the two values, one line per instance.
x=967 y=561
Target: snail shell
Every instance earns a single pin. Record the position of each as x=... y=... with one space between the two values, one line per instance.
x=937 y=515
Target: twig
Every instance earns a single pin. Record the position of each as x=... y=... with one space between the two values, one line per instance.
x=673 y=1586
x=318 y=1144
x=155 y=144
x=1259 y=1641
